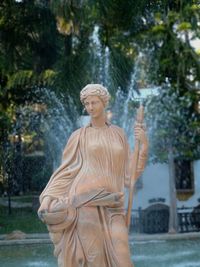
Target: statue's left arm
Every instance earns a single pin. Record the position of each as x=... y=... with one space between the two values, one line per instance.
x=141 y=136
x=141 y=155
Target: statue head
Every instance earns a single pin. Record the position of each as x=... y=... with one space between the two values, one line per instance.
x=95 y=90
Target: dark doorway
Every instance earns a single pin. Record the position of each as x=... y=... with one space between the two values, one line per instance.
x=155 y=219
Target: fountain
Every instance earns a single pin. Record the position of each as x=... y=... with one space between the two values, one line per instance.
x=58 y=126
x=100 y=59
x=54 y=118
x=174 y=253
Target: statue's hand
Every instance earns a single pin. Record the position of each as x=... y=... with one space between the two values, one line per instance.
x=118 y=200
x=41 y=214
x=140 y=133
x=43 y=207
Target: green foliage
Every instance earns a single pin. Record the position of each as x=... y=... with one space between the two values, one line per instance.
x=48 y=44
x=175 y=124
x=4 y=121
x=184 y=26
x=27 y=78
x=24 y=219
x=36 y=178
x=159 y=29
x=20 y=78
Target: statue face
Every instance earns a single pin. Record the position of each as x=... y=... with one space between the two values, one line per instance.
x=94 y=106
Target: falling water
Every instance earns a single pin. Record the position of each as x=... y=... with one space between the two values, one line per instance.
x=101 y=59
x=59 y=123
x=57 y=120
x=125 y=105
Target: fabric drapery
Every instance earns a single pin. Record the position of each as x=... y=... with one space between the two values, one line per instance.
x=86 y=219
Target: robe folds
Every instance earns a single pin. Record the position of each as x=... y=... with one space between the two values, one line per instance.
x=85 y=217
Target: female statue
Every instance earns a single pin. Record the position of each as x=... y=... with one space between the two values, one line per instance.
x=83 y=204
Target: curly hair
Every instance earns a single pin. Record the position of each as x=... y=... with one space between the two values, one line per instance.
x=97 y=90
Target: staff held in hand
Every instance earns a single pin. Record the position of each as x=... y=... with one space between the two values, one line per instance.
x=139 y=157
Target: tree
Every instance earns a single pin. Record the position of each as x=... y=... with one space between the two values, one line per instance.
x=27 y=52
x=174 y=115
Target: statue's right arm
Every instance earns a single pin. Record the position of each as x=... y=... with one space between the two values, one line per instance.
x=44 y=204
x=57 y=185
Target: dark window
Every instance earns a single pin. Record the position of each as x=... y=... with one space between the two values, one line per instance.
x=184 y=176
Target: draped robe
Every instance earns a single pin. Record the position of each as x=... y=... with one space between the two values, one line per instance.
x=85 y=219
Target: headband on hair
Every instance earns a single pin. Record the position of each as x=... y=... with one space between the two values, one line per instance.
x=97 y=90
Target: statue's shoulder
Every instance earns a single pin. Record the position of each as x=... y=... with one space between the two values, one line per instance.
x=117 y=129
x=76 y=133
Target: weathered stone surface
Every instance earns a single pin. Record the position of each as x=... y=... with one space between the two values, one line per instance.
x=17 y=234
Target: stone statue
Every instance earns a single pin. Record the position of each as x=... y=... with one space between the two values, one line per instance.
x=83 y=202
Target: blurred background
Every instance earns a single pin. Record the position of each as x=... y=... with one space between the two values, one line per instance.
x=142 y=51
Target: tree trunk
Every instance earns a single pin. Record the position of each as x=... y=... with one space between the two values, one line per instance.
x=68 y=45
x=173 y=219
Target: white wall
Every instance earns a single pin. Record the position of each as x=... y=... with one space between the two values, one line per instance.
x=155 y=181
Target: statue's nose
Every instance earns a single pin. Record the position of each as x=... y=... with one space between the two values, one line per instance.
x=90 y=107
